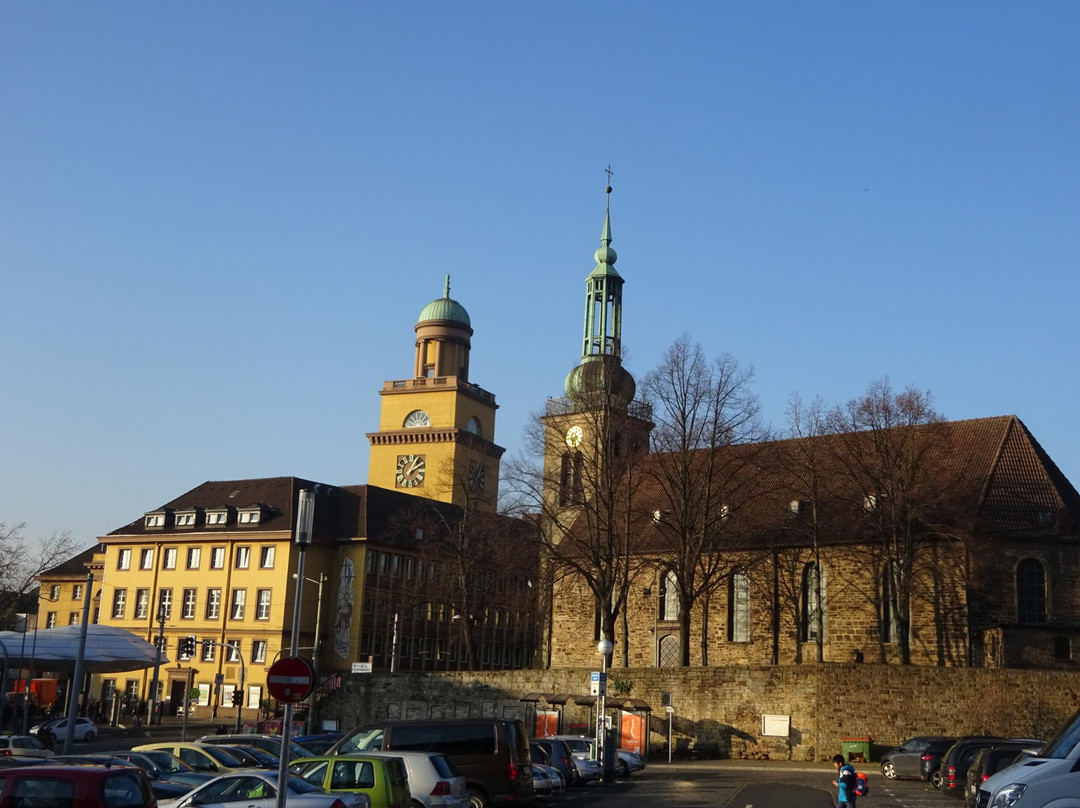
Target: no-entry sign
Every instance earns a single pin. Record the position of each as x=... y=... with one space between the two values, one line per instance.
x=290 y=679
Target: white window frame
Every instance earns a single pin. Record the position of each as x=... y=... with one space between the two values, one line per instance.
x=146 y=558
x=142 y=604
x=266 y=557
x=168 y=558
x=123 y=560
x=213 y=603
x=194 y=557
x=243 y=557
x=258 y=651
x=187 y=608
x=217 y=558
x=237 y=604
x=262 y=604
x=119 y=604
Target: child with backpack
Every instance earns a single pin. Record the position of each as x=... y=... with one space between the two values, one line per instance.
x=849 y=783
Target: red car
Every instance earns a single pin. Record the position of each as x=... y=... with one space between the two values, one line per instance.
x=75 y=787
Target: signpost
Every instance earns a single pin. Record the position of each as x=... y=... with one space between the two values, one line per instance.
x=290 y=679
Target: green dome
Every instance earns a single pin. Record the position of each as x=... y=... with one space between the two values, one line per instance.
x=601 y=375
x=445 y=308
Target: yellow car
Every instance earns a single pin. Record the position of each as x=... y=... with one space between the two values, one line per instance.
x=383 y=779
x=202 y=757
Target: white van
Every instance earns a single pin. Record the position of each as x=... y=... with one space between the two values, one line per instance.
x=1049 y=780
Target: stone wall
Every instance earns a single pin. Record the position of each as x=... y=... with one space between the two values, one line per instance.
x=718 y=710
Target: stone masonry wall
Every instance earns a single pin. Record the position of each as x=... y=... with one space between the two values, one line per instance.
x=718 y=710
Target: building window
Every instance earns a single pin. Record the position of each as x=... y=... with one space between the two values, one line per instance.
x=258 y=651
x=155 y=520
x=1030 y=591
x=217 y=558
x=250 y=517
x=146 y=559
x=813 y=599
x=217 y=517
x=50 y=620
x=142 y=604
x=165 y=604
x=239 y=597
x=54 y=592
x=208 y=651
x=571 y=489
x=233 y=654
x=77 y=592
x=123 y=559
x=119 y=601
x=266 y=558
x=73 y=619
x=243 y=558
x=185 y=519
x=194 y=555
x=188 y=609
x=213 y=604
x=262 y=605
x=168 y=560
x=669 y=597
x=739 y=607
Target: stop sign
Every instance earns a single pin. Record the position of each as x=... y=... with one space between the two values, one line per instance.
x=290 y=679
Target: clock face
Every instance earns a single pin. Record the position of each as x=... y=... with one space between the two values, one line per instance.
x=410 y=470
x=417 y=418
x=477 y=473
x=573 y=436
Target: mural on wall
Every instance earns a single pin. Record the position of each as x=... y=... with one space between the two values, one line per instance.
x=344 y=610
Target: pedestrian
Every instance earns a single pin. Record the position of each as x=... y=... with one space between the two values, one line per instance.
x=844 y=782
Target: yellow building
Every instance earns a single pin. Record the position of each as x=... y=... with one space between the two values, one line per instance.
x=217 y=564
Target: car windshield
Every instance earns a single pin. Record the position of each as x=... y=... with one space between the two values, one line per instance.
x=1064 y=743
x=579 y=745
x=298 y=785
x=222 y=756
x=166 y=761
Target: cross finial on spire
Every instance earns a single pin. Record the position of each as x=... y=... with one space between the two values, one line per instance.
x=609 y=173
x=446 y=287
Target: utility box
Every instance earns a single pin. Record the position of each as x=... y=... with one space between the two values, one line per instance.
x=856 y=749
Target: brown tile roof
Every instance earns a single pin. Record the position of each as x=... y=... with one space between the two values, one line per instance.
x=76 y=566
x=990 y=473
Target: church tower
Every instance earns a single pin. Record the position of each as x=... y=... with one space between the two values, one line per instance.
x=436 y=429
x=597 y=425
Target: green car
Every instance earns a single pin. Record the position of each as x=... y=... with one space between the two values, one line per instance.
x=383 y=779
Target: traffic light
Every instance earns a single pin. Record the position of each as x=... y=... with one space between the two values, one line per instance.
x=186 y=646
x=237 y=698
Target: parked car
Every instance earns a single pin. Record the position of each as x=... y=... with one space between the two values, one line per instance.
x=988 y=762
x=253 y=756
x=541 y=782
x=268 y=743
x=383 y=780
x=320 y=743
x=161 y=765
x=626 y=761
x=434 y=781
x=202 y=757
x=932 y=771
x=492 y=753
x=955 y=764
x=1048 y=779
x=906 y=760
x=76 y=787
x=559 y=756
x=552 y=779
x=85 y=729
x=163 y=789
x=258 y=788
x=23 y=746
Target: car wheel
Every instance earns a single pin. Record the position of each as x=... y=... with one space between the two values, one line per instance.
x=889 y=770
x=477 y=799
x=89 y=736
x=935 y=778
x=621 y=769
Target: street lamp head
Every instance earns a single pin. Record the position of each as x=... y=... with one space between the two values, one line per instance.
x=604 y=647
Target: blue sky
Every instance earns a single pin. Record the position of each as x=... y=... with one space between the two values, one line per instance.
x=219 y=221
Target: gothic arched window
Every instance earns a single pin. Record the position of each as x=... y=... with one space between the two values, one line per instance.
x=739 y=607
x=668 y=608
x=1030 y=591
x=813 y=600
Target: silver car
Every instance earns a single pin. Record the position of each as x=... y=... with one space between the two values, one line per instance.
x=256 y=789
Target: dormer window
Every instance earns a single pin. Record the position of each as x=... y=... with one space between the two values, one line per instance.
x=1046 y=518
x=185 y=519
x=217 y=517
x=155 y=519
x=725 y=511
x=870 y=502
x=250 y=516
x=797 y=506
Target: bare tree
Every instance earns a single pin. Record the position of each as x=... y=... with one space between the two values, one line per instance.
x=893 y=450
x=23 y=559
x=702 y=410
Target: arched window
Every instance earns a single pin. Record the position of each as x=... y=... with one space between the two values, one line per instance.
x=1030 y=591
x=668 y=608
x=668 y=651
x=814 y=600
x=890 y=632
x=739 y=607
x=571 y=490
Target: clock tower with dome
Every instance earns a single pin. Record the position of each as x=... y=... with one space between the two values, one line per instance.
x=436 y=429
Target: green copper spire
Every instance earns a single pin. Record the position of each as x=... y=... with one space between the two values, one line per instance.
x=601 y=371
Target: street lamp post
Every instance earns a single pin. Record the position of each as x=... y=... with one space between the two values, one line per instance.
x=316 y=650
x=160 y=642
x=604 y=648
x=77 y=674
x=305 y=515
